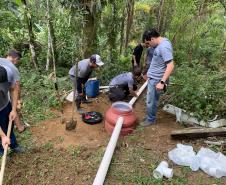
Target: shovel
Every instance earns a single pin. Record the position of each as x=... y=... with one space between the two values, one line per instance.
x=71 y=124
x=5 y=154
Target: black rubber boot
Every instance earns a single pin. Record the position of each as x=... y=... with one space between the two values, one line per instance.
x=78 y=102
x=78 y=105
x=84 y=100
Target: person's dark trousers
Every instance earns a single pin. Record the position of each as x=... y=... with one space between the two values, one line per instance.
x=80 y=84
x=116 y=94
x=119 y=92
x=80 y=90
x=4 y=122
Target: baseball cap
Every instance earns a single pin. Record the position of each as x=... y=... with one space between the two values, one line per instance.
x=97 y=59
x=3 y=75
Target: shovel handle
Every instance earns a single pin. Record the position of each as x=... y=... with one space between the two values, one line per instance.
x=5 y=154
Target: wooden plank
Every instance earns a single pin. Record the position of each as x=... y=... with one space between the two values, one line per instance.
x=198 y=133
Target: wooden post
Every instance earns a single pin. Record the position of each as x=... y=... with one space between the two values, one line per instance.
x=191 y=133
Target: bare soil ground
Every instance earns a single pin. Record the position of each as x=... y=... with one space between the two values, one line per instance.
x=59 y=157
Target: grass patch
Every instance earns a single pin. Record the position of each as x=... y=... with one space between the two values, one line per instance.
x=39 y=96
x=48 y=145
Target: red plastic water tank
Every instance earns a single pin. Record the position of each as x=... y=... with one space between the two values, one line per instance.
x=120 y=109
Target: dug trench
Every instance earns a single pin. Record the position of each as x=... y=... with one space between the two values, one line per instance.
x=60 y=157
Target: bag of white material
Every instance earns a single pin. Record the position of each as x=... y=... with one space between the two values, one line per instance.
x=212 y=163
x=185 y=156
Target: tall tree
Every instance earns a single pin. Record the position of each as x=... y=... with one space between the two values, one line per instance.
x=51 y=52
x=122 y=29
x=29 y=24
x=130 y=13
x=113 y=27
x=92 y=16
x=160 y=14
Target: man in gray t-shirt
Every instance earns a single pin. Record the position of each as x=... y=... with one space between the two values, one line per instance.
x=124 y=84
x=85 y=68
x=158 y=73
x=9 y=83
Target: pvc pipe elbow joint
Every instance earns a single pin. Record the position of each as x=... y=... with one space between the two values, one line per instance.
x=163 y=170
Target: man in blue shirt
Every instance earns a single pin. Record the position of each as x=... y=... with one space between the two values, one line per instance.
x=158 y=73
x=124 y=84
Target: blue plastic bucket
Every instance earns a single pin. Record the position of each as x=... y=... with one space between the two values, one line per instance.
x=92 y=88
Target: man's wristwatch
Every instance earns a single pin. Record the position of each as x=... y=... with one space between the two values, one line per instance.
x=162 y=82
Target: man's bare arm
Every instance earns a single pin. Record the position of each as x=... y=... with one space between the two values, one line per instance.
x=4 y=138
x=14 y=92
x=133 y=93
x=134 y=60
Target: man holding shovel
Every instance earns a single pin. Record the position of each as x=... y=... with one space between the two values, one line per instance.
x=81 y=75
x=9 y=82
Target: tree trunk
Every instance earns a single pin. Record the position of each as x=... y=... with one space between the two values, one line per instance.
x=28 y=21
x=48 y=58
x=51 y=53
x=113 y=32
x=122 y=30
x=90 y=31
x=130 y=13
x=161 y=4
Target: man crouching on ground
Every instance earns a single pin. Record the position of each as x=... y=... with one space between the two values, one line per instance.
x=124 y=84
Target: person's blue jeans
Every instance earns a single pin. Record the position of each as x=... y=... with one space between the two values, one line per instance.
x=4 y=122
x=152 y=100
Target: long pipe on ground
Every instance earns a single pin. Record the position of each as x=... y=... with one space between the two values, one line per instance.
x=105 y=163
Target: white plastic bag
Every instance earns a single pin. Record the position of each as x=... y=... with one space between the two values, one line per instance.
x=185 y=156
x=212 y=163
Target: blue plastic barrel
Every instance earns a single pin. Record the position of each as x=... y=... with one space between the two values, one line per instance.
x=92 y=88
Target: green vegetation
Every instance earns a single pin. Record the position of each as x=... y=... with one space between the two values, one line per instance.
x=111 y=28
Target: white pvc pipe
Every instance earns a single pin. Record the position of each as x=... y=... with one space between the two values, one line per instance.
x=102 y=171
x=103 y=87
x=101 y=174
x=132 y=101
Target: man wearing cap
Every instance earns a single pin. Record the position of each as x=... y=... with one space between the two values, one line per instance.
x=85 y=68
x=9 y=82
